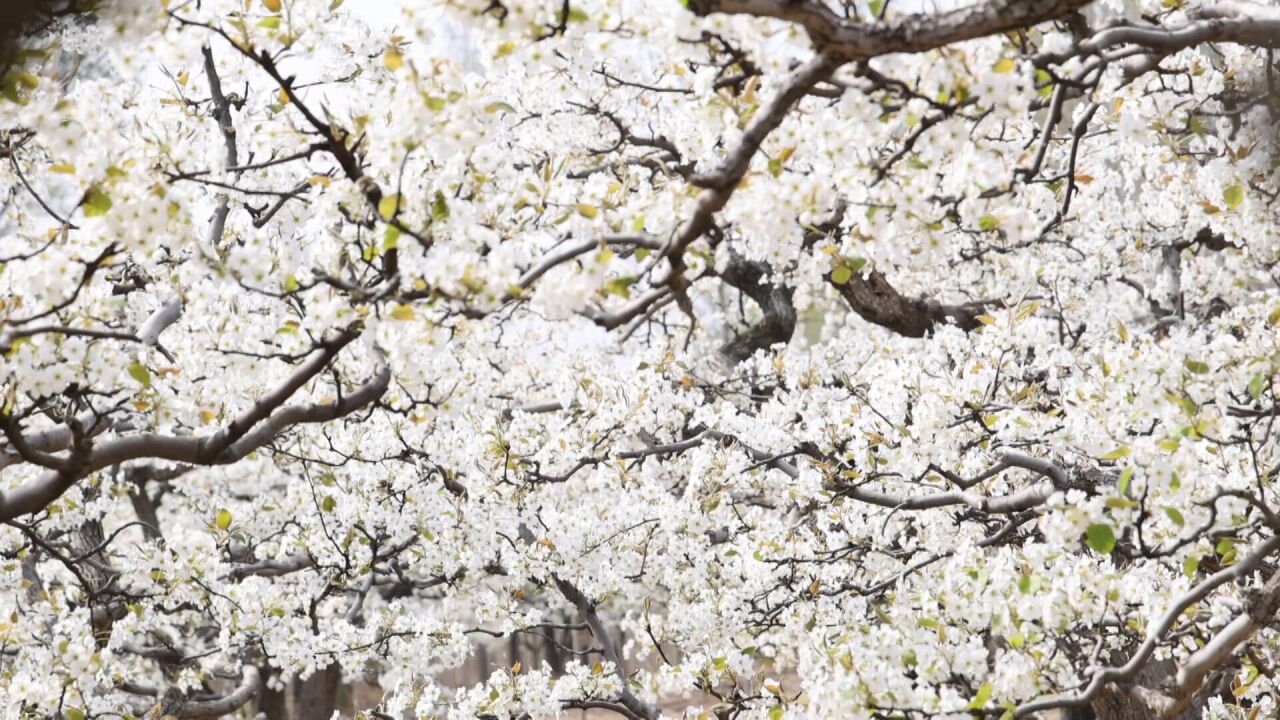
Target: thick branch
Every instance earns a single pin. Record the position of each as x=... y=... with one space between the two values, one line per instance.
x=272 y=568
x=878 y=302
x=855 y=40
x=250 y=684
x=221 y=113
x=253 y=429
x=1259 y=612
x=588 y=610
x=1115 y=675
x=774 y=299
x=719 y=186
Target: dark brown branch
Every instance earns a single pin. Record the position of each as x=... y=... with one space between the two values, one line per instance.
x=878 y=302
x=774 y=299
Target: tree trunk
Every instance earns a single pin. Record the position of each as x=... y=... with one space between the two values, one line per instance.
x=317 y=696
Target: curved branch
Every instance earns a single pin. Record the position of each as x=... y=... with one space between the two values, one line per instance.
x=251 y=430
x=1260 y=611
x=878 y=302
x=1112 y=675
x=919 y=32
x=272 y=568
x=587 y=608
x=774 y=299
x=250 y=684
x=720 y=185
x=570 y=252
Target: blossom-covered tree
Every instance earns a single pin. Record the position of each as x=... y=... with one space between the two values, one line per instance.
x=817 y=358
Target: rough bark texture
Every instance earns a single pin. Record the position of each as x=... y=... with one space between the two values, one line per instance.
x=878 y=302
x=318 y=695
x=19 y=18
x=917 y=32
x=274 y=704
x=779 y=321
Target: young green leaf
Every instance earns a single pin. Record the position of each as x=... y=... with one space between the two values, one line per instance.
x=1101 y=538
x=139 y=372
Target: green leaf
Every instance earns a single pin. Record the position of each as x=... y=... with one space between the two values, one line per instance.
x=776 y=712
x=1233 y=196
x=1004 y=65
x=96 y=202
x=139 y=372
x=1186 y=403
x=392 y=59
x=988 y=223
x=439 y=208
x=620 y=286
x=74 y=713
x=587 y=211
x=841 y=275
x=1122 y=451
x=1025 y=584
x=328 y=503
x=499 y=106
x=1175 y=516
x=291 y=284
x=1125 y=476
x=980 y=700
x=881 y=615
x=1120 y=503
x=222 y=520
x=1226 y=549
x=389 y=206
x=270 y=23
x=1257 y=386
x=1195 y=366
x=1044 y=82
x=1190 y=566
x=1101 y=538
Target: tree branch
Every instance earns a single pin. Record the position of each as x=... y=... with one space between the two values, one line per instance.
x=876 y=301
x=919 y=32
x=253 y=429
x=588 y=610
